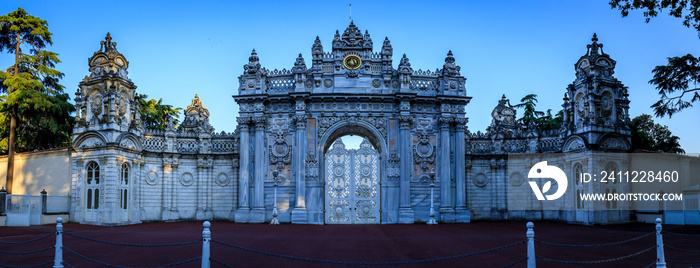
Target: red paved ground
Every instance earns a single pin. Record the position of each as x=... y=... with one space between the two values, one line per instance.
x=374 y=243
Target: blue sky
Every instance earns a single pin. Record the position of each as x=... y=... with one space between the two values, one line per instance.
x=179 y=48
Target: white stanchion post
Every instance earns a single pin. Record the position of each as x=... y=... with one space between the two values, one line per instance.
x=58 y=255
x=206 y=237
x=530 y=245
x=660 y=259
x=432 y=220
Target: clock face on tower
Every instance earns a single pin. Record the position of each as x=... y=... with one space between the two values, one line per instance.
x=352 y=62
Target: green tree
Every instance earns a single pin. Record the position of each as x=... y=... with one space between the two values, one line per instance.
x=647 y=135
x=33 y=100
x=549 y=122
x=540 y=120
x=530 y=114
x=155 y=114
x=673 y=81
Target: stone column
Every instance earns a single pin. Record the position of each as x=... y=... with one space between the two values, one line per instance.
x=299 y=214
x=209 y=208
x=446 y=209
x=201 y=190
x=172 y=198
x=257 y=214
x=137 y=209
x=406 y=214
x=243 y=212
x=167 y=187
x=461 y=189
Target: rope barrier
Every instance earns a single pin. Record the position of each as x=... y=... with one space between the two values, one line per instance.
x=651 y=264
x=119 y=266
x=28 y=252
x=681 y=234
x=134 y=245
x=594 y=245
x=28 y=241
x=598 y=261
x=516 y=262
x=368 y=263
x=33 y=266
x=67 y=264
x=680 y=249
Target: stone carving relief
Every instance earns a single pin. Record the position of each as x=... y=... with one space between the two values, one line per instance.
x=280 y=151
x=91 y=142
x=222 y=180
x=376 y=83
x=186 y=179
x=614 y=144
x=516 y=179
x=327 y=122
x=152 y=177
x=394 y=168
x=424 y=155
x=96 y=104
x=573 y=145
x=128 y=143
x=481 y=180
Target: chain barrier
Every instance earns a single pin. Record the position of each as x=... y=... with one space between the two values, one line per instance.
x=28 y=241
x=680 y=249
x=652 y=264
x=33 y=266
x=598 y=261
x=27 y=252
x=119 y=266
x=516 y=262
x=134 y=245
x=681 y=234
x=220 y=263
x=594 y=245
x=683 y=262
x=67 y=264
x=369 y=263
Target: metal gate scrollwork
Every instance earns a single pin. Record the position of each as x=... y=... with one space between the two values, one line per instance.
x=352 y=179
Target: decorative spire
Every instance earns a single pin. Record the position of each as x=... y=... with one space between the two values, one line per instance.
x=253 y=57
x=253 y=63
x=299 y=65
x=317 y=48
x=594 y=46
x=450 y=58
x=107 y=45
x=450 y=68
x=405 y=65
x=196 y=118
x=108 y=61
x=387 y=50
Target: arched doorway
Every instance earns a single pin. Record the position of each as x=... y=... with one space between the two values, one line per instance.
x=352 y=189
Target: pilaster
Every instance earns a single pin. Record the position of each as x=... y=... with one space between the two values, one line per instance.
x=257 y=214
x=446 y=209
x=243 y=212
x=406 y=213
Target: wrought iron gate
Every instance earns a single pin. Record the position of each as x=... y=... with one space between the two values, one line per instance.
x=352 y=183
